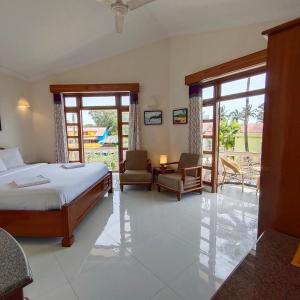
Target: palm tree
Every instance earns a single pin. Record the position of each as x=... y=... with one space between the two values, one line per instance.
x=223 y=113
x=236 y=115
x=247 y=112
x=260 y=113
x=244 y=116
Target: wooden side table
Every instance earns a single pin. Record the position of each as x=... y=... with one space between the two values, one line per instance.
x=158 y=170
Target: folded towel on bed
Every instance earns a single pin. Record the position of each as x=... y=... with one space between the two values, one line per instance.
x=31 y=181
x=73 y=165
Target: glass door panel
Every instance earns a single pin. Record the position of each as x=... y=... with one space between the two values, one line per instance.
x=125 y=142
x=208 y=140
x=124 y=126
x=125 y=116
x=71 y=118
x=125 y=129
x=240 y=135
x=207 y=129
x=72 y=130
x=73 y=143
x=207 y=144
x=74 y=156
x=207 y=113
x=207 y=160
x=100 y=137
x=206 y=176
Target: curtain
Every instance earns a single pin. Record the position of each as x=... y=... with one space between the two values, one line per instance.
x=134 y=142
x=61 y=149
x=195 y=119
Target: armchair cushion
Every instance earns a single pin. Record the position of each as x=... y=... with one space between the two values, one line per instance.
x=136 y=160
x=136 y=176
x=188 y=160
x=173 y=181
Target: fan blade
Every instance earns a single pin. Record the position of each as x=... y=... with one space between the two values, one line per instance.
x=104 y=1
x=134 y=4
x=119 y=20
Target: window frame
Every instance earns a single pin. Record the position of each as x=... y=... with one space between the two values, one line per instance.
x=79 y=108
x=215 y=102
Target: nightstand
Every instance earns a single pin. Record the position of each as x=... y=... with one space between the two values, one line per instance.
x=159 y=170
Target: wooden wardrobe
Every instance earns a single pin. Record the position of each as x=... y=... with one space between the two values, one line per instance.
x=279 y=204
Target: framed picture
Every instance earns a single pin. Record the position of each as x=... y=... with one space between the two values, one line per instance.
x=153 y=117
x=180 y=116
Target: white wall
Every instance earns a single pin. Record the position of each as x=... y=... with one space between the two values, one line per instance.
x=160 y=68
x=17 y=124
x=148 y=65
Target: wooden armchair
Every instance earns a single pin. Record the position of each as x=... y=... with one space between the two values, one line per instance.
x=136 y=169
x=187 y=178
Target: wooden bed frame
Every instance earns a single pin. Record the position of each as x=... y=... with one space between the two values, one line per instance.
x=56 y=223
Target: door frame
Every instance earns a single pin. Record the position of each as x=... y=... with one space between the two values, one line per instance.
x=79 y=108
x=215 y=102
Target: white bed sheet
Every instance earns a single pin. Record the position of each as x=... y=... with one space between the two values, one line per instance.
x=64 y=187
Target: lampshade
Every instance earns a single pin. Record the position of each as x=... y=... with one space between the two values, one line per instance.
x=163 y=159
x=23 y=103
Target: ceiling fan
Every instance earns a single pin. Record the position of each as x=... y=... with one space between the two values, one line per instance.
x=121 y=8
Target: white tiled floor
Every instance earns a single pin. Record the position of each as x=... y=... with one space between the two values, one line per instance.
x=146 y=245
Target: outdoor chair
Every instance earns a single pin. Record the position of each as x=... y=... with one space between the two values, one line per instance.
x=231 y=168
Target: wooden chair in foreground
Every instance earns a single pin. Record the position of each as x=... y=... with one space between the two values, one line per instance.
x=230 y=167
x=187 y=178
x=136 y=169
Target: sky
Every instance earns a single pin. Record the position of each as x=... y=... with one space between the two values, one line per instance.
x=237 y=86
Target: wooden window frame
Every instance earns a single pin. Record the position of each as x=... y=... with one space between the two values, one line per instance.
x=79 y=108
x=215 y=102
x=247 y=62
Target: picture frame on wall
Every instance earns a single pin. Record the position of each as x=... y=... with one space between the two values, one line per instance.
x=153 y=117
x=180 y=116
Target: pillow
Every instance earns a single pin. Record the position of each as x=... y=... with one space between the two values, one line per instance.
x=2 y=166
x=11 y=158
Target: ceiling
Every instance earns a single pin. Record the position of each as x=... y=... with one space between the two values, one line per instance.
x=40 y=37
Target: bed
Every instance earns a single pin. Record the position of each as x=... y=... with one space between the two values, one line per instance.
x=53 y=209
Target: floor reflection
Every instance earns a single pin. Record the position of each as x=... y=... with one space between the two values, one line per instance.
x=137 y=243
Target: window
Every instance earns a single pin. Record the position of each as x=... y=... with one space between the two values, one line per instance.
x=225 y=101
x=71 y=118
x=207 y=113
x=208 y=93
x=97 y=127
x=243 y=85
x=125 y=101
x=93 y=101
x=70 y=102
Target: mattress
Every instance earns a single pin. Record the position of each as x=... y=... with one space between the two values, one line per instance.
x=64 y=187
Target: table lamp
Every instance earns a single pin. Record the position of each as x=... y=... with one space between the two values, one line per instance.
x=163 y=159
